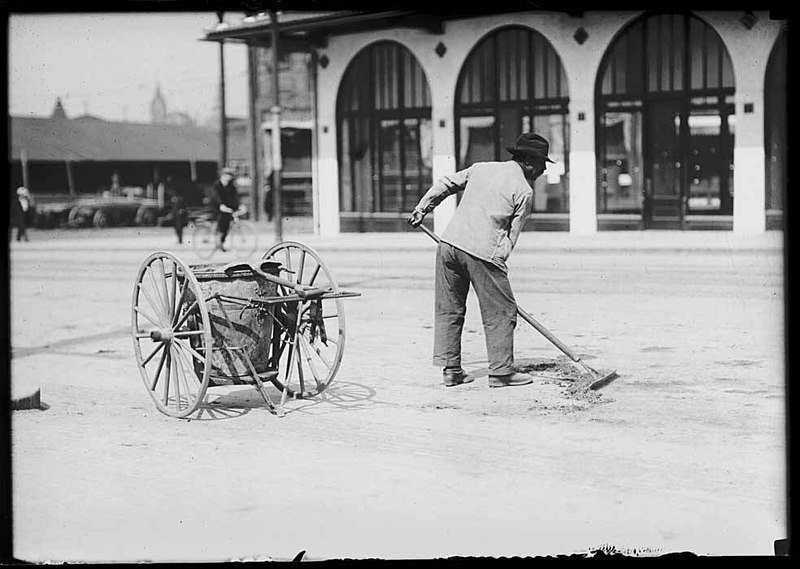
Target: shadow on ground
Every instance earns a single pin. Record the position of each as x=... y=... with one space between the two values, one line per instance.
x=343 y=396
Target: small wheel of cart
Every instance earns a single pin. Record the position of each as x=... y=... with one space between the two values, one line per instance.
x=310 y=334
x=171 y=334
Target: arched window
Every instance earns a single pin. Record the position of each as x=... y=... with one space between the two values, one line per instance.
x=513 y=82
x=385 y=137
x=775 y=129
x=665 y=123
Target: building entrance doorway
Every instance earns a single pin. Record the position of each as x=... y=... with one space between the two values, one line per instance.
x=688 y=163
x=664 y=97
x=664 y=194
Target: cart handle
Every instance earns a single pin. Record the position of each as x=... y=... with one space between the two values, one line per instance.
x=303 y=291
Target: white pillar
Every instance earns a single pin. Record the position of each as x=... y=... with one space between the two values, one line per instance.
x=444 y=160
x=328 y=196
x=582 y=178
x=445 y=210
x=749 y=215
x=327 y=158
x=327 y=176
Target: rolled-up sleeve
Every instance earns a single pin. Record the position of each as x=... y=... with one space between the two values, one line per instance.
x=445 y=186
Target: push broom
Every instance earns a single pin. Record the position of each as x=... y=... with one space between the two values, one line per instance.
x=598 y=380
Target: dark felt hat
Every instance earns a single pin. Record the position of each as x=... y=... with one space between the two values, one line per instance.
x=531 y=144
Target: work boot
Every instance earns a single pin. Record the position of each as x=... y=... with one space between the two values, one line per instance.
x=511 y=379
x=455 y=376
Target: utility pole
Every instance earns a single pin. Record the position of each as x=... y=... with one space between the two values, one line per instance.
x=23 y=158
x=255 y=120
x=70 y=178
x=277 y=163
x=223 y=130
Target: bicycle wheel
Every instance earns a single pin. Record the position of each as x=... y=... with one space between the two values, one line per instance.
x=204 y=239
x=243 y=240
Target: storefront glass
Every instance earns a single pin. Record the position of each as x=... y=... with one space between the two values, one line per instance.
x=664 y=107
x=513 y=82
x=384 y=127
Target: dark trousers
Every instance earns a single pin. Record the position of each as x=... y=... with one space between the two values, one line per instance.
x=22 y=232
x=223 y=225
x=179 y=219
x=455 y=270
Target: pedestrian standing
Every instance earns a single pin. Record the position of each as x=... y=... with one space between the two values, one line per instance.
x=474 y=248
x=21 y=214
x=269 y=204
x=225 y=200
x=177 y=196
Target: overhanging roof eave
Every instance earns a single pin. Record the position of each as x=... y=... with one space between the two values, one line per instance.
x=327 y=24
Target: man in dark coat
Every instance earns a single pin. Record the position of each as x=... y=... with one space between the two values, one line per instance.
x=21 y=214
x=176 y=190
x=269 y=204
x=226 y=202
x=497 y=199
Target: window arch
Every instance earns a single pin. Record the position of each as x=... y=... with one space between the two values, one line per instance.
x=384 y=126
x=665 y=122
x=513 y=82
x=664 y=54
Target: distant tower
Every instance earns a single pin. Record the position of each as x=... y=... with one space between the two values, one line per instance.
x=158 y=107
x=58 y=110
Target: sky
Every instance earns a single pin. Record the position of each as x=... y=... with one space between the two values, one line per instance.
x=109 y=65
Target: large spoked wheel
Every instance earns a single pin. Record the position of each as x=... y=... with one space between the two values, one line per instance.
x=204 y=239
x=308 y=337
x=171 y=335
x=243 y=240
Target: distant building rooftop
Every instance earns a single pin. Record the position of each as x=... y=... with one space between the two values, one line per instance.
x=89 y=138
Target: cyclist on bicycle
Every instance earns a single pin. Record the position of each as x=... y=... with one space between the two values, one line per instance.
x=225 y=200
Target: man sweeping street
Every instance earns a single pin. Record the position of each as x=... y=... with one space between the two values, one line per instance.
x=474 y=248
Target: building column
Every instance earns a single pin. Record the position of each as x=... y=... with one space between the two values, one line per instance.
x=444 y=159
x=313 y=63
x=749 y=208
x=582 y=176
x=327 y=168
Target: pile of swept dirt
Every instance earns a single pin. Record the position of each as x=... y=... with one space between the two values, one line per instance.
x=574 y=380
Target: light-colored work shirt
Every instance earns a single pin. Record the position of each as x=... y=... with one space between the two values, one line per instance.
x=496 y=202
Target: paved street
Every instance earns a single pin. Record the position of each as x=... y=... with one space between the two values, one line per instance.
x=684 y=452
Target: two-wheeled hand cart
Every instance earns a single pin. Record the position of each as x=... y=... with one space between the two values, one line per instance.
x=280 y=320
